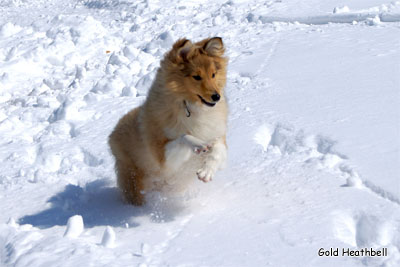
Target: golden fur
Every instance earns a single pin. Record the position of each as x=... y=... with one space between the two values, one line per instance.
x=174 y=135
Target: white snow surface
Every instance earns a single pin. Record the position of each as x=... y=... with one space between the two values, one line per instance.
x=314 y=133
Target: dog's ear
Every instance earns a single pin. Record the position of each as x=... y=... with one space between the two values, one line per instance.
x=180 y=50
x=185 y=50
x=214 y=47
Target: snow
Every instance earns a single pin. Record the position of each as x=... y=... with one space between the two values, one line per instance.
x=342 y=9
x=75 y=227
x=108 y=239
x=313 y=139
x=9 y=29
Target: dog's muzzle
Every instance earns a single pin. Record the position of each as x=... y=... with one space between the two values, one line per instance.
x=207 y=103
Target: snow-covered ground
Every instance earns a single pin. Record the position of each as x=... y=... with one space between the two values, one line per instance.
x=314 y=133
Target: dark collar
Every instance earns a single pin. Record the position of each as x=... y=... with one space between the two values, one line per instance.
x=186 y=109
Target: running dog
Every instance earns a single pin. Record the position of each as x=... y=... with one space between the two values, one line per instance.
x=180 y=131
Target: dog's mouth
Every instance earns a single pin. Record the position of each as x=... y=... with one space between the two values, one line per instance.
x=205 y=102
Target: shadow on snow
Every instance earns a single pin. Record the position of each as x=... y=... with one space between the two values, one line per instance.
x=97 y=203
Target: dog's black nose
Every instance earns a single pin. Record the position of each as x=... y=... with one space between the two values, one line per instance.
x=215 y=97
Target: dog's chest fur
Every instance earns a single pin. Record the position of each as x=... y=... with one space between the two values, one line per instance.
x=205 y=123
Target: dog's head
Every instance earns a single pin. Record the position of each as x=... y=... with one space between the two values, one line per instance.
x=197 y=71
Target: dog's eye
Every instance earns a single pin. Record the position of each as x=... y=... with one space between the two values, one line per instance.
x=197 y=77
x=213 y=75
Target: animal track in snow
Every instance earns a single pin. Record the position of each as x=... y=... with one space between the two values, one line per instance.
x=365 y=231
x=314 y=150
x=284 y=139
x=91 y=160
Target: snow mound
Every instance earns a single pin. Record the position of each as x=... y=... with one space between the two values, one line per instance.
x=74 y=226
x=108 y=239
x=342 y=9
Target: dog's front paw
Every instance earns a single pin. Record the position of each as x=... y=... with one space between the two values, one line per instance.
x=205 y=174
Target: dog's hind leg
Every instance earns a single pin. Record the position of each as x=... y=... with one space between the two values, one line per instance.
x=130 y=181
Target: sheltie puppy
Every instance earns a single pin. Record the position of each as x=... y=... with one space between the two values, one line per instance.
x=179 y=132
